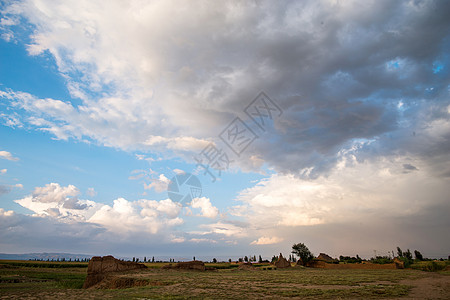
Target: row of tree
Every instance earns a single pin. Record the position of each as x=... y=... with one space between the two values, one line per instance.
x=301 y=251
x=61 y=259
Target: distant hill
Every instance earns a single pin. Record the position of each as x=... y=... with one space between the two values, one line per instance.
x=44 y=256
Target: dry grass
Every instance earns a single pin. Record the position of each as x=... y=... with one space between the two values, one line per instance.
x=25 y=282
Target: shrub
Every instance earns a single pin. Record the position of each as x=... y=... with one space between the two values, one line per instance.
x=382 y=260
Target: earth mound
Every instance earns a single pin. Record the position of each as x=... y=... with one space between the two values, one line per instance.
x=100 y=268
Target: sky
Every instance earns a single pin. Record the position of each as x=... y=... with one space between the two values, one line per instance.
x=225 y=129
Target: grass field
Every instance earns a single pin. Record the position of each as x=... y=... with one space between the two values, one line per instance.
x=21 y=280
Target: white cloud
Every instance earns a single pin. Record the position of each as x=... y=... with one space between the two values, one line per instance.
x=160 y=185
x=207 y=209
x=267 y=240
x=177 y=239
x=53 y=192
x=178 y=171
x=6 y=213
x=121 y=218
x=59 y=201
x=91 y=192
x=3 y=171
x=227 y=229
x=141 y=216
x=8 y=156
x=371 y=196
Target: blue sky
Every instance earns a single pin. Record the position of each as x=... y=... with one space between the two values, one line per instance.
x=101 y=106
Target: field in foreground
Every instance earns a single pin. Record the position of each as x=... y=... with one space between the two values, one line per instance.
x=22 y=280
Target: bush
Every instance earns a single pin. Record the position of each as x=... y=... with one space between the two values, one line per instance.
x=429 y=266
x=407 y=261
x=383 y=260
x=350 y=260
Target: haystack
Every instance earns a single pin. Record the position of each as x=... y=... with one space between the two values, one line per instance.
x=299 y=262
x=189 y=265
x=100 y=267
x=325 y=257
x=398 y=263
x=246 y=266
x=282 y=262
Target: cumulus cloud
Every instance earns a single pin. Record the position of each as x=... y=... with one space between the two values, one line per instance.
x=3 y=171
x=122 y=217
x=376 y=195
x=338 y=71
x=8 y=156
x=160 y=184
x=53 y=192
x=142 y=216
x=59 y=201
x=224 y=228
x=207 y=209
x=267 y=240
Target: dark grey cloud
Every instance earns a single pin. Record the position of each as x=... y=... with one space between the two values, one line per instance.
x=409 y=167
x=338 y=70
x=73 y=203
x=344 y=80
x=4 y=189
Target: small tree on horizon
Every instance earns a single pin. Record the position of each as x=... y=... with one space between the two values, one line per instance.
x=418 y=255
x=303 y=252
x=399 y=252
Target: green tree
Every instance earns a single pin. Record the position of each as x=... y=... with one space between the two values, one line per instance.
x=303 y=252
x=214 y=260
x=246 y=258
x=260 y=259
x=418 y=255
x=408 y=254
x=399 y=252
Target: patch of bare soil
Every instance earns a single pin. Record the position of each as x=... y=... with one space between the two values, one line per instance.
x=433 y=286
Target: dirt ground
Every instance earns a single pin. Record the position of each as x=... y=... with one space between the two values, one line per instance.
x=434 y=286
